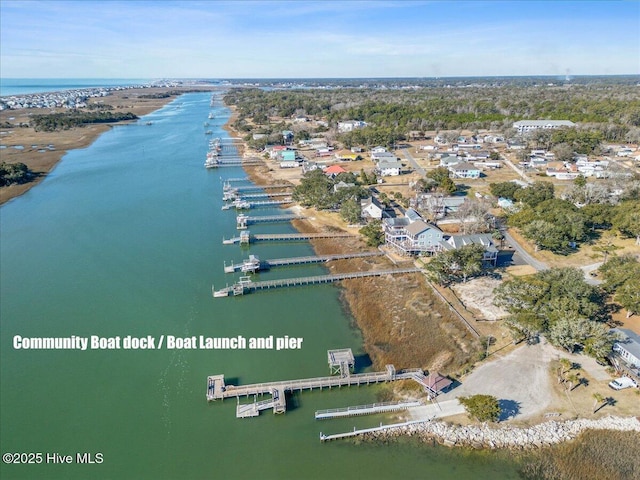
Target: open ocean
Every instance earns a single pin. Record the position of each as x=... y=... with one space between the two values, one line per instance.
x=124 y=238
x=22 y=86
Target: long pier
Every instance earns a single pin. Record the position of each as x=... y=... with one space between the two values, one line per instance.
x=242 y=220
x=246 y=238
x=326 y=438
x=365 y=409
x=245 y=204
x=246 y=285
x=245 y=188
x=340 y=361
x=253 y=263
x=235 y=196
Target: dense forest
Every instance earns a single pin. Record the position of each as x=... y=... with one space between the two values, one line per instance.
x=64 y=121
x=611 y=109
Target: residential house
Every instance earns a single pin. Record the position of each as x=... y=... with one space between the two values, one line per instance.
x=371 y=208
x=626 y=352
x=411 y=234
x=484 y=239
x=334 y=170
x=350 y=125
x=389 y=168
x=287 y=137
x=448 y=161
x=465 y=170
x=341 y=185
x=437 y=205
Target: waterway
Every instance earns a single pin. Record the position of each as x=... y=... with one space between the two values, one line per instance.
x=125 y=238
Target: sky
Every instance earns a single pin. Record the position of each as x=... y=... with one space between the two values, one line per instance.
x=153 y=39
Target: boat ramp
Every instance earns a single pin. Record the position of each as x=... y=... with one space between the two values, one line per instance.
x=246 y=285
x=253 y=264
x=341 y=364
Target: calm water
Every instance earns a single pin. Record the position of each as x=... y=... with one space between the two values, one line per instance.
x=124 y=238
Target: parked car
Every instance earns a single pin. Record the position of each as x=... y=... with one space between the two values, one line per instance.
x=622 y=382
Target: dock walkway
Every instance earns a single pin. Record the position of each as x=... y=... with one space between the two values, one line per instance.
x=246 y=285
x=246 y=237
x=242 y=220
x=218 y=390
x=254 y=264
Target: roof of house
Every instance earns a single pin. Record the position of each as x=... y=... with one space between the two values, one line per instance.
x=630 y=342
x=542 y=123
x=334 y=170
x=419 y=226
x=412 y=215
x=384 y=163
x=365 y=202
x=464 y=166
x=458 y=241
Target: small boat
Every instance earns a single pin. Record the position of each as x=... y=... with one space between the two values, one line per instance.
x=208 y=132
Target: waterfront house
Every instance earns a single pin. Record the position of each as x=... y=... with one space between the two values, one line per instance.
x=411 y=234
x=483 y=239
x=371 y=208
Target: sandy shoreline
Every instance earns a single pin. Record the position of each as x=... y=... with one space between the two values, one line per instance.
x=43 y=162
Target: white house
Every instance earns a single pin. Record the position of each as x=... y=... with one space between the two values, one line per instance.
x=371 y=208
x=411 y=234
x=389 y=168
x=350 y=125
x=628 y=347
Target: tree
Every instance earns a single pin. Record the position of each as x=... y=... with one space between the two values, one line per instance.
x=598 y=398
x=536 y=193
x=315 y=190
x=351 y=210
x=373 y=233
x=484 y=408
x=629 y=296
x=504 y=189
x=563 y=152
x=627 y=219
x=452 y=265
x=440 y=176
x=14 y=173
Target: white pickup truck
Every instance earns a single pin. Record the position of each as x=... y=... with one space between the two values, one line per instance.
x=622 y=382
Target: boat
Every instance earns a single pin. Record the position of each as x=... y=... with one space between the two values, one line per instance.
x=211 y=116
x=208 y=132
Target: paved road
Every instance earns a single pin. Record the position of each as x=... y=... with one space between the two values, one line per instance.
x=412 y=161
x=587 y=269
x=509 y=240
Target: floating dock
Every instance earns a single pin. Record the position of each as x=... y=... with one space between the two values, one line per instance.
x=339 y=361
x=246 y=285
x=253 y=264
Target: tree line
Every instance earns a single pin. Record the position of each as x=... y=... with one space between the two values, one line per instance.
x=64 y=121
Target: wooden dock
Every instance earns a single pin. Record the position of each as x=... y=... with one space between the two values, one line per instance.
x=246 y=237
x=246 y=285
x=245 y=204
x=248 y=188
x=253 y=263
x=218 y=390
x=243 y=221
x=365 y=409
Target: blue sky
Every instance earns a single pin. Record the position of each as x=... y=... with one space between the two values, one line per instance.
x=297 y=38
